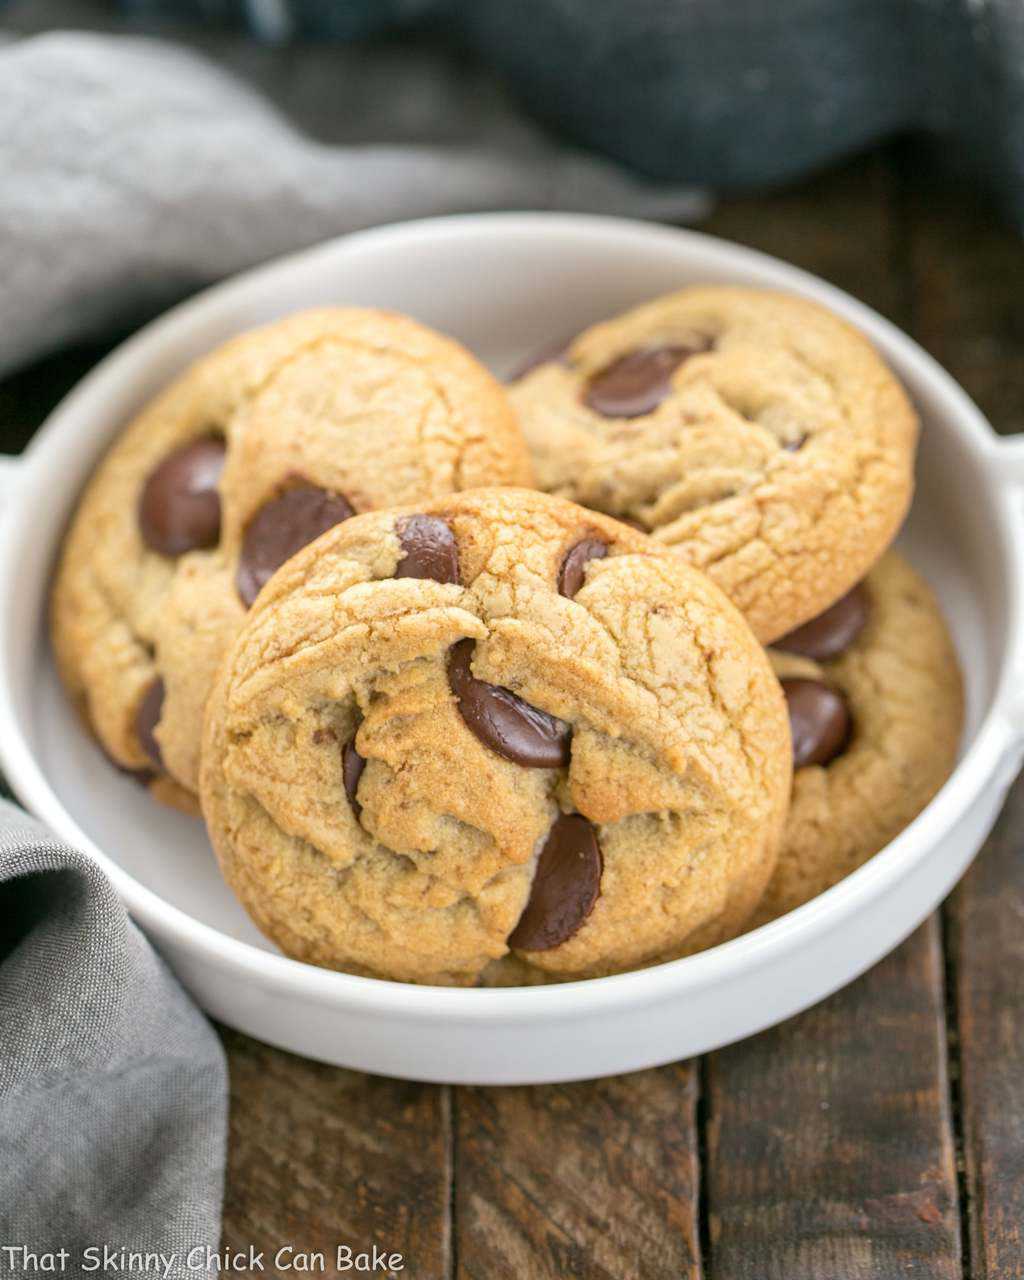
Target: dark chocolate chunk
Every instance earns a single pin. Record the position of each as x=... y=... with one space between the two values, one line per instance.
x=570 y=576
x=832 y=632
x=819 y=721
x=504 y=722
x=147 y=717
x=566 y=884
x=179 y=509
x=430 y=549
x=352 y=766
x=280 y=528
x=637 y=382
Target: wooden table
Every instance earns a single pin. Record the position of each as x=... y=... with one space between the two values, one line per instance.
x=879 y=1135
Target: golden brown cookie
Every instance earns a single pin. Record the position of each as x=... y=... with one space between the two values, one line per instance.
x=875 y=698
x=252 y=452
x=755 y=433
x=493 y=722
x=876 y=709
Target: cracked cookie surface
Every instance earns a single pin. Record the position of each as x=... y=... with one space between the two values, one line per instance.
x=899 y=680
x=755 y=433
x=875 y=692
x=254 y=450
x=495 y=723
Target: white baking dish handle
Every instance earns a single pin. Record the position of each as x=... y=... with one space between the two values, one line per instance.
x=1010 y=459
x=9 y=467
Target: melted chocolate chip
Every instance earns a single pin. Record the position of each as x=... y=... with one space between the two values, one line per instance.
x=179 y=509
x=832 y=632
x=504 y=722
x=352 y=766
x=147 y=717
x=819 y=721
x=570 y=576
x=552 y=353
x=637 y=382
x=430 y=549
x=282 y=527
x=566 y=884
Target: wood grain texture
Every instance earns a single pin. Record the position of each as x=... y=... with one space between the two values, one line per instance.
x=967 y=282
x=830 y=1144
x=582 y=1180
x=319 y=1156
x=842 y=226
x=986 y=921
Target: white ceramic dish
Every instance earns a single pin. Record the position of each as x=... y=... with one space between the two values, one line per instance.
x=504 y=284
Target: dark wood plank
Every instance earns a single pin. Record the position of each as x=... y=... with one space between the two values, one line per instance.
x=320 y=1157
x=581 y=1180
x=986 y=919
x=967 y=279
x=839 y=226
x=829 y=1144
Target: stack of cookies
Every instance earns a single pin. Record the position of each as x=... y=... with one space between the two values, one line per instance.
x=485 y=684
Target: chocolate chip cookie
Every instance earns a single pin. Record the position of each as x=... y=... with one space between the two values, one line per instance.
x=755 y=433
x=875 y=705
x=253 y=452
x=494 y=723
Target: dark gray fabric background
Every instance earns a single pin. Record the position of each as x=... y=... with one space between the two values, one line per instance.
x=713 y=93
x=135 y=169
x=340 y=114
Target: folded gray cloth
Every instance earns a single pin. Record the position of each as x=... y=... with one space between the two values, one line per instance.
x=135 y=171
x=113 y=1092
x=724 y=94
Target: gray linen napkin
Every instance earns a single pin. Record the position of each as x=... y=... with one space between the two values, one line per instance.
x=113 y=1094
x=728 y=95
x=135 y=170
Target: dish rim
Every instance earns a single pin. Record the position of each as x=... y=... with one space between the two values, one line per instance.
x=996 y=742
